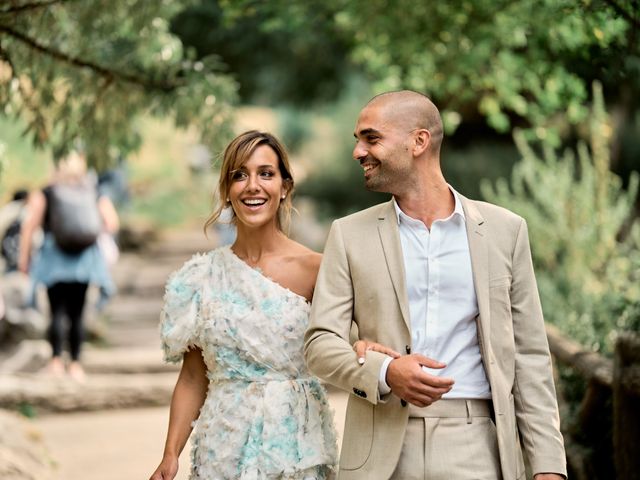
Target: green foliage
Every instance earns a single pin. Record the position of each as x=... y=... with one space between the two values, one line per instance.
x=294 y=128
x=82 y=71
x=586 y=252
x=293 y=58
x=336 y=182
x=27 y=410
x=514 y=62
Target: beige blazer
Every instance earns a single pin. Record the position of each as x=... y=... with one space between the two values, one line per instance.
x=362 y=280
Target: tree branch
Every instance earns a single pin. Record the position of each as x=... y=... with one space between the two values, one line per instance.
x=27 y=99
x=68 y=135
x=31 y=6
x=625 y=14
x=78 y=62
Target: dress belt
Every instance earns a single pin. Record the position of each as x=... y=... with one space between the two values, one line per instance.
x=453 y=408
x=262 y=380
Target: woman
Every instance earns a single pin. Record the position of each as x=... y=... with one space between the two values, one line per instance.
x=67 y=273
x=236 y=318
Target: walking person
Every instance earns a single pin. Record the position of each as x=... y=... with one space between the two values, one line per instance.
x=72 y=215
x=236 y=317
x=448 y=282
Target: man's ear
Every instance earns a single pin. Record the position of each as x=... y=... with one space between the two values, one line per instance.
x=422 y=140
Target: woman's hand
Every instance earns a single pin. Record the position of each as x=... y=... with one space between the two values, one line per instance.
x=167 y=469
x=361 y=347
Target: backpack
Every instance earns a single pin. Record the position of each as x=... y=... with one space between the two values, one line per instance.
x=10 y=244
x=74 y=218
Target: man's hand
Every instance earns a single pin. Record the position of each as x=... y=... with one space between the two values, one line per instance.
x=548 y=476
x=409 y=382
x=361 y=347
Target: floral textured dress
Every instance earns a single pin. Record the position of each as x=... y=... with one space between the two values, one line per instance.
x=265 y=416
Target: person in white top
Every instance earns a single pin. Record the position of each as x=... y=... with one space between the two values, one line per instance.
x=449 y=283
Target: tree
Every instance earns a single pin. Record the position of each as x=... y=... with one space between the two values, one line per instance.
x=76 y=70
x=516 y=63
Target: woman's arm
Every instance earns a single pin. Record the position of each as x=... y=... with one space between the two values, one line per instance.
x=109 y=215
x=36 y=206
x=188 y=397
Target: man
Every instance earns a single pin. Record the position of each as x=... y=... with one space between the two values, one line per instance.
x=448 y=282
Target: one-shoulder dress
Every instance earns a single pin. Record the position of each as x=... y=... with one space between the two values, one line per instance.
x=265 y=416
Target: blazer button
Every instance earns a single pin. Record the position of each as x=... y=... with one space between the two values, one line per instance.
x=403 y=403
x=360 y=393
x=407 y=349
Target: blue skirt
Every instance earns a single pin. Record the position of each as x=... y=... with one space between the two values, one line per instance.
x=52 y=265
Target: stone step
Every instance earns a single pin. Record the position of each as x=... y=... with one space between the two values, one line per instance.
x=31 y=356
x=45 y=394
x=125 y=310
x=126 y=361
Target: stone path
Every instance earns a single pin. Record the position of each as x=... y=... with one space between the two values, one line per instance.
x=111 y=428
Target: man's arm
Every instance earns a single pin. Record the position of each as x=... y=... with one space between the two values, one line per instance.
x=534 y=392
x=328 y=352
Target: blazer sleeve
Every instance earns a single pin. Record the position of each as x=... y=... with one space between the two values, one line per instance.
x=328 y=353
x=534 y=393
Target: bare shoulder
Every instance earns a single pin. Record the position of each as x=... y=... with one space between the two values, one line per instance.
x=298 y=269
x=305 y=259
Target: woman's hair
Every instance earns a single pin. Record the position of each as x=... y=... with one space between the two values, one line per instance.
x=235 y=155
x=71 y=168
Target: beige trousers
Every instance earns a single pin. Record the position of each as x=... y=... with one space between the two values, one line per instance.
x=450 y=440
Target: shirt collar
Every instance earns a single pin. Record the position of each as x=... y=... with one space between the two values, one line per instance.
x=457 y=209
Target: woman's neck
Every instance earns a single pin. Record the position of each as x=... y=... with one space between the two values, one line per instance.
x=252 y=244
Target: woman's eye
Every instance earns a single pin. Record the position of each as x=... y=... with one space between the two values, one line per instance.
x=238 y=175
x=267 y=173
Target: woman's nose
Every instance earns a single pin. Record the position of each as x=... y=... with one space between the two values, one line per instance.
x=252 y=183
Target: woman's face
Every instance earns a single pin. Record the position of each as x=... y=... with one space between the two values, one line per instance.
x=257 y=188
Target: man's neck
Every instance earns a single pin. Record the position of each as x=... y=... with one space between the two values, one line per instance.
x=430 y=203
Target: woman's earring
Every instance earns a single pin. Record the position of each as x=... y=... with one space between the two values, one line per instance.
x=228 y=201
x=283 y=197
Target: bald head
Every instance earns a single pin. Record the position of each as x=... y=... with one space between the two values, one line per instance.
x=411 y=110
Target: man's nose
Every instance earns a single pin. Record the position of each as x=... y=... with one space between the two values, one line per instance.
x=359 y=151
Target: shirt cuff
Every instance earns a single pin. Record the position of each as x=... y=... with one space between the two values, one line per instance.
x=383 y=388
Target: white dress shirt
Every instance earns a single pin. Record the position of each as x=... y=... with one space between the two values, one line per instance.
x=442 y=301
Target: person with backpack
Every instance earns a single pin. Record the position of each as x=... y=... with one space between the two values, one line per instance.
x=72 y=215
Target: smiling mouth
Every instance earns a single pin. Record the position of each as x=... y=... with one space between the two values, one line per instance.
x=368 y=167
x=254 y=202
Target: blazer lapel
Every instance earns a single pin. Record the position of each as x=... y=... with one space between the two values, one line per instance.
x=479 y=251
x=390 y=238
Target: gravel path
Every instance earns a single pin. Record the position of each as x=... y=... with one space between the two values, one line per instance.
x=119 y=444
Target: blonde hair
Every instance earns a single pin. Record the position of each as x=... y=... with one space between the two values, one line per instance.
x=71 y=168
x=235 y=155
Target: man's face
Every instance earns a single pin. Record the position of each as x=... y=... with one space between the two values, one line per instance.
x=382 y=148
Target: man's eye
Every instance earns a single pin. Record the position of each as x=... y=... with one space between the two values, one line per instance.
x=372 y=139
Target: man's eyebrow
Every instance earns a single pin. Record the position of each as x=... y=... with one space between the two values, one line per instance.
x=366 y=131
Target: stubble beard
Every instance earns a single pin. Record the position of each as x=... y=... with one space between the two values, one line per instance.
x=387 y=179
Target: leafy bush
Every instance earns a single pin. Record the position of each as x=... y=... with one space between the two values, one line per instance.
x=586 y=248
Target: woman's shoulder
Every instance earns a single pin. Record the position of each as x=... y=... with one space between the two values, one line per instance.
x=304 y=258
x=193 y=269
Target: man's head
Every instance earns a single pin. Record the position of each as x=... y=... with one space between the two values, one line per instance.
x=394 y=130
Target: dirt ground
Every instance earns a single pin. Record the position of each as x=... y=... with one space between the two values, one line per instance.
x=119 y=444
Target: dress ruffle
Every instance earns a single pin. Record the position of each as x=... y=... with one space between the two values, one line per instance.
x=181 y=311
x=265 y=416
